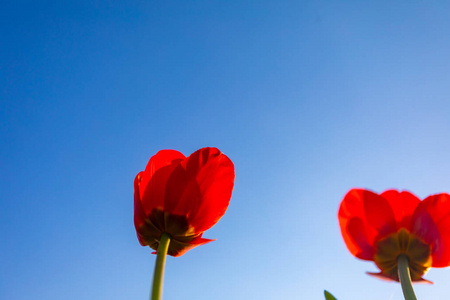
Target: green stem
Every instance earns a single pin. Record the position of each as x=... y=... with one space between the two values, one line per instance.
x=405 y=277
x=158 y=275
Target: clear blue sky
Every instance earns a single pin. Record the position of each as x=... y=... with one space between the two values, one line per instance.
x=308 y=98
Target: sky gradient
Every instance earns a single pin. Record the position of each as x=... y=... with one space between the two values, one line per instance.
x=307 y=98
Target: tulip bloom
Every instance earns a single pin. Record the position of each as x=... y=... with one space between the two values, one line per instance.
x=182 y=197
x=381 y=228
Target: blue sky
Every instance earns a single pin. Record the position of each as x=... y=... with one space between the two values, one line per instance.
x=308 y=99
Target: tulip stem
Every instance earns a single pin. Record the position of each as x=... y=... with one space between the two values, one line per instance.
x=158 y=275
x=405 y=277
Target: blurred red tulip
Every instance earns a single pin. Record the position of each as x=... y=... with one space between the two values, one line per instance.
x=381 y=227
x=182 y=196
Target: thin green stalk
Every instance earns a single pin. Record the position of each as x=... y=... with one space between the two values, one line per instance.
x=405 y=277
x=158 y=275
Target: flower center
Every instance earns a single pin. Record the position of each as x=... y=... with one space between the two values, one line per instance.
x=403 y=242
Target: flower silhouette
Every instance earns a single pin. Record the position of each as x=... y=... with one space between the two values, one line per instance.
x=181 y=196
x=381 y=227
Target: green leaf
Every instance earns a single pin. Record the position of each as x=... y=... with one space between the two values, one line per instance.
x=328 y=296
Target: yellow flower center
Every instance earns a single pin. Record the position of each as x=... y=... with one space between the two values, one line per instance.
x=403 y=242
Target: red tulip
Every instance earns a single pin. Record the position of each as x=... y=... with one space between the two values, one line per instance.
x=181 y=196
x=381 y=227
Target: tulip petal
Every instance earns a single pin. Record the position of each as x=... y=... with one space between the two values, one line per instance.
x=375 y=216
x=403 y=205
x=431 y=222
x=202 y=185
x=215 y=181
x=352 y=208
x=385 y=277
x=154 y=179
x=179 y=247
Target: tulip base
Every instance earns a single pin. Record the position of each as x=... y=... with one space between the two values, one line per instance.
x=405 y=277
x=158 y=275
